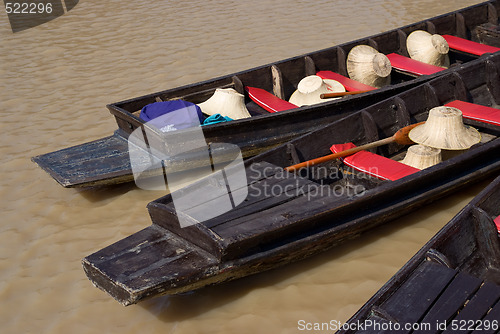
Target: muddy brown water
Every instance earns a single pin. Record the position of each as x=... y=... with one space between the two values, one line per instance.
x=55 y=80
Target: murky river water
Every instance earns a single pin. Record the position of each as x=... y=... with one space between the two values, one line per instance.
x=55 y=80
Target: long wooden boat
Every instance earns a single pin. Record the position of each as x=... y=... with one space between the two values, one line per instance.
x=289 y=216
x=106 y=161
x=451 y=285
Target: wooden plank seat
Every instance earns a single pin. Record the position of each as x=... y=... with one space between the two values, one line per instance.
x=374 y=164
x=477 y=308
x=349 y=84
x=434 y=294
x=452 y=299
x=477 y=112
x=418 y=293
x=272 y=210
x=412 y=66
x=491 y=320
x=470 y=47
x=268 y=101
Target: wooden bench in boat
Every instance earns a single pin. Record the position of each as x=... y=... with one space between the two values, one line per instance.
x=434 y=294
x=412 y=66
x=268 y=101
x=477 y=112
x=374 y=164
x=272 y=211
x=467 y=46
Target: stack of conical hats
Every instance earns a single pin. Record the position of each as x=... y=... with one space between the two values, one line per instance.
x=443 y=131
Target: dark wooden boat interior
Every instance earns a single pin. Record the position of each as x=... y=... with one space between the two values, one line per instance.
x=452 y=285
x=106 y=161
x=316 y=210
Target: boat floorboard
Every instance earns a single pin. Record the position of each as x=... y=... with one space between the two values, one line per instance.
x=433 y=295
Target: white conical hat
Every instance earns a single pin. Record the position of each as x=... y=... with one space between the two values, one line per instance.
x=311 y=87
x=367 y=65
x=227 y=102
x=445 y=129
x=427 y=48
x=420 y=156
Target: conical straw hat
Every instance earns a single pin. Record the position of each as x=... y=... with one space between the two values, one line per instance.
x=427 y=48
x=311 y=87
x=420 y=156
x=367 y=65
x=227 y=102
x=445 y=129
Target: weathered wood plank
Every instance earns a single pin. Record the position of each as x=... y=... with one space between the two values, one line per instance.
x=411 y=301
x=490 y=324
x=476 y=308
x=90 y=162
x=450 y=301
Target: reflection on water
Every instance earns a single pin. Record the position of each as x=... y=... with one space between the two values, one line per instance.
x=55 y=82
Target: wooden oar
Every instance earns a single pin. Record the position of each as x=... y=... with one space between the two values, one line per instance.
x=400 y=137
x=340 y=94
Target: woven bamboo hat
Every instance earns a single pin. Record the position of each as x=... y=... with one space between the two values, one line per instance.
x=311 y=87
x=227 y=102
x=445 y=129
x=367 y=65
x=427 y=48
x=420 y=156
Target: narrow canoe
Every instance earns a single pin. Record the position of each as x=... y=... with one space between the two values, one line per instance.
x=284 y=216
x=106 y=161
x=451 y=285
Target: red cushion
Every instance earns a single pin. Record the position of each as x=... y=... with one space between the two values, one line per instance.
x=374 y=164
x=471 y=47
x=497 y=223
x=349 y=84
x=268 y=101
x=412 y=66
x=477 y=112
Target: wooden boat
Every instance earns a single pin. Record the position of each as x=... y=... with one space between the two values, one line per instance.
x=289 y=216
x=106 y=161
x=451 y=285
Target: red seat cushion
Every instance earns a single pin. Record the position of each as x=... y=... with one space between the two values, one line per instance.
x=471 y=47
x=374 y=164
x=268 y=101
x=349 y=84
x=477 y=112
x=497 y=223
x=412 y=66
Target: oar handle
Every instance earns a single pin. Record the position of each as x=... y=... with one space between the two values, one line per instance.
x=342 y=154
x=340 y=94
